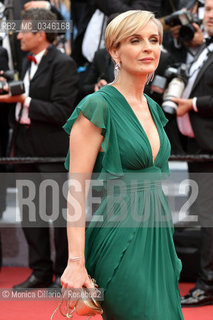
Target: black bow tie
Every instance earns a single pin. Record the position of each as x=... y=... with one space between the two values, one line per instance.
x=209 y=41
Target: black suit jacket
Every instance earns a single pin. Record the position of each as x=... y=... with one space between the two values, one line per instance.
x=102 y=67
x=53 y=90
x=202 y=121
x=4 y=108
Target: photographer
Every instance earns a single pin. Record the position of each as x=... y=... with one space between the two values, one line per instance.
x=195 y=121
x=4 y=130
x=4 y=134
x=50 y=79
x=186 y=16
x=183 y=34
x=12 y=11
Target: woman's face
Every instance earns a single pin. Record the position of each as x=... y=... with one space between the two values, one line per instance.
x=140 y=53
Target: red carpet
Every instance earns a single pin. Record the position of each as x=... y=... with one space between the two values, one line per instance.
x=27 y=310
x=42 y=310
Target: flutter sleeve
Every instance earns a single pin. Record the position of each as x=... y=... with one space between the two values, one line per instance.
x=95 y=108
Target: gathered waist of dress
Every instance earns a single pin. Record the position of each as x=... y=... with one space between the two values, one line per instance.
x=135 y=181
x=123 y=186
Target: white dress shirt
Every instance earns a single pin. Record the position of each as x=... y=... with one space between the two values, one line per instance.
x=94 y=35
x=28 y=76
x=183 y=122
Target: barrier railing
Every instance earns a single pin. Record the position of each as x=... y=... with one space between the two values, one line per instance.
x=192 y=158
x=28 y=160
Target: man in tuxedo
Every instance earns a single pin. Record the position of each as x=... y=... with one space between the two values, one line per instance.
x=195 y=121
x=50 y=79
x=4 y=131
x=4 y=135
x=13 y=12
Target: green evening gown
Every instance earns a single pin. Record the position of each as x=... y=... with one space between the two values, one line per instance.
x=130 y=250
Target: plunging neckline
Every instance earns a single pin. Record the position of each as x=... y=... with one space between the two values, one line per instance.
x=140 y=125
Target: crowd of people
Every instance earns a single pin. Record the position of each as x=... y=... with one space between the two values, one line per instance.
x=117 y=51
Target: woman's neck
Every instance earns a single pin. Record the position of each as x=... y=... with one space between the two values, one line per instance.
x=131 y=87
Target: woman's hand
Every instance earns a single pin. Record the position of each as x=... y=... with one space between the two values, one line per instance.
x=75 y=276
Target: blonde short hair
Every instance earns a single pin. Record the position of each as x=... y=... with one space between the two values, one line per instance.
x=127 y=24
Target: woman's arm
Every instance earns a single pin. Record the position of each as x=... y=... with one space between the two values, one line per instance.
x=85 y=143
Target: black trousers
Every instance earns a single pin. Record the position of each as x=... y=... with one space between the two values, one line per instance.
x=40 y=194
x=202 y=174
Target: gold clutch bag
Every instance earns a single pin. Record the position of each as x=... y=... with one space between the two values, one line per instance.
x=86 y=305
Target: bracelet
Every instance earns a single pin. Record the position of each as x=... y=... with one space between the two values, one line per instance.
x=75 y=259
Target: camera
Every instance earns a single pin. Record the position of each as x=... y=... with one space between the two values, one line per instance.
x=185 y=18
x=15 y=87
x=169 y=86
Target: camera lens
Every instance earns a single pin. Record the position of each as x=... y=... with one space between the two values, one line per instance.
x=174 y=90
x=186 y=33
x=169 y=107
x=172 y=21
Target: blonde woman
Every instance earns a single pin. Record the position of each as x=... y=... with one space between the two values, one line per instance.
x=118 y=131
